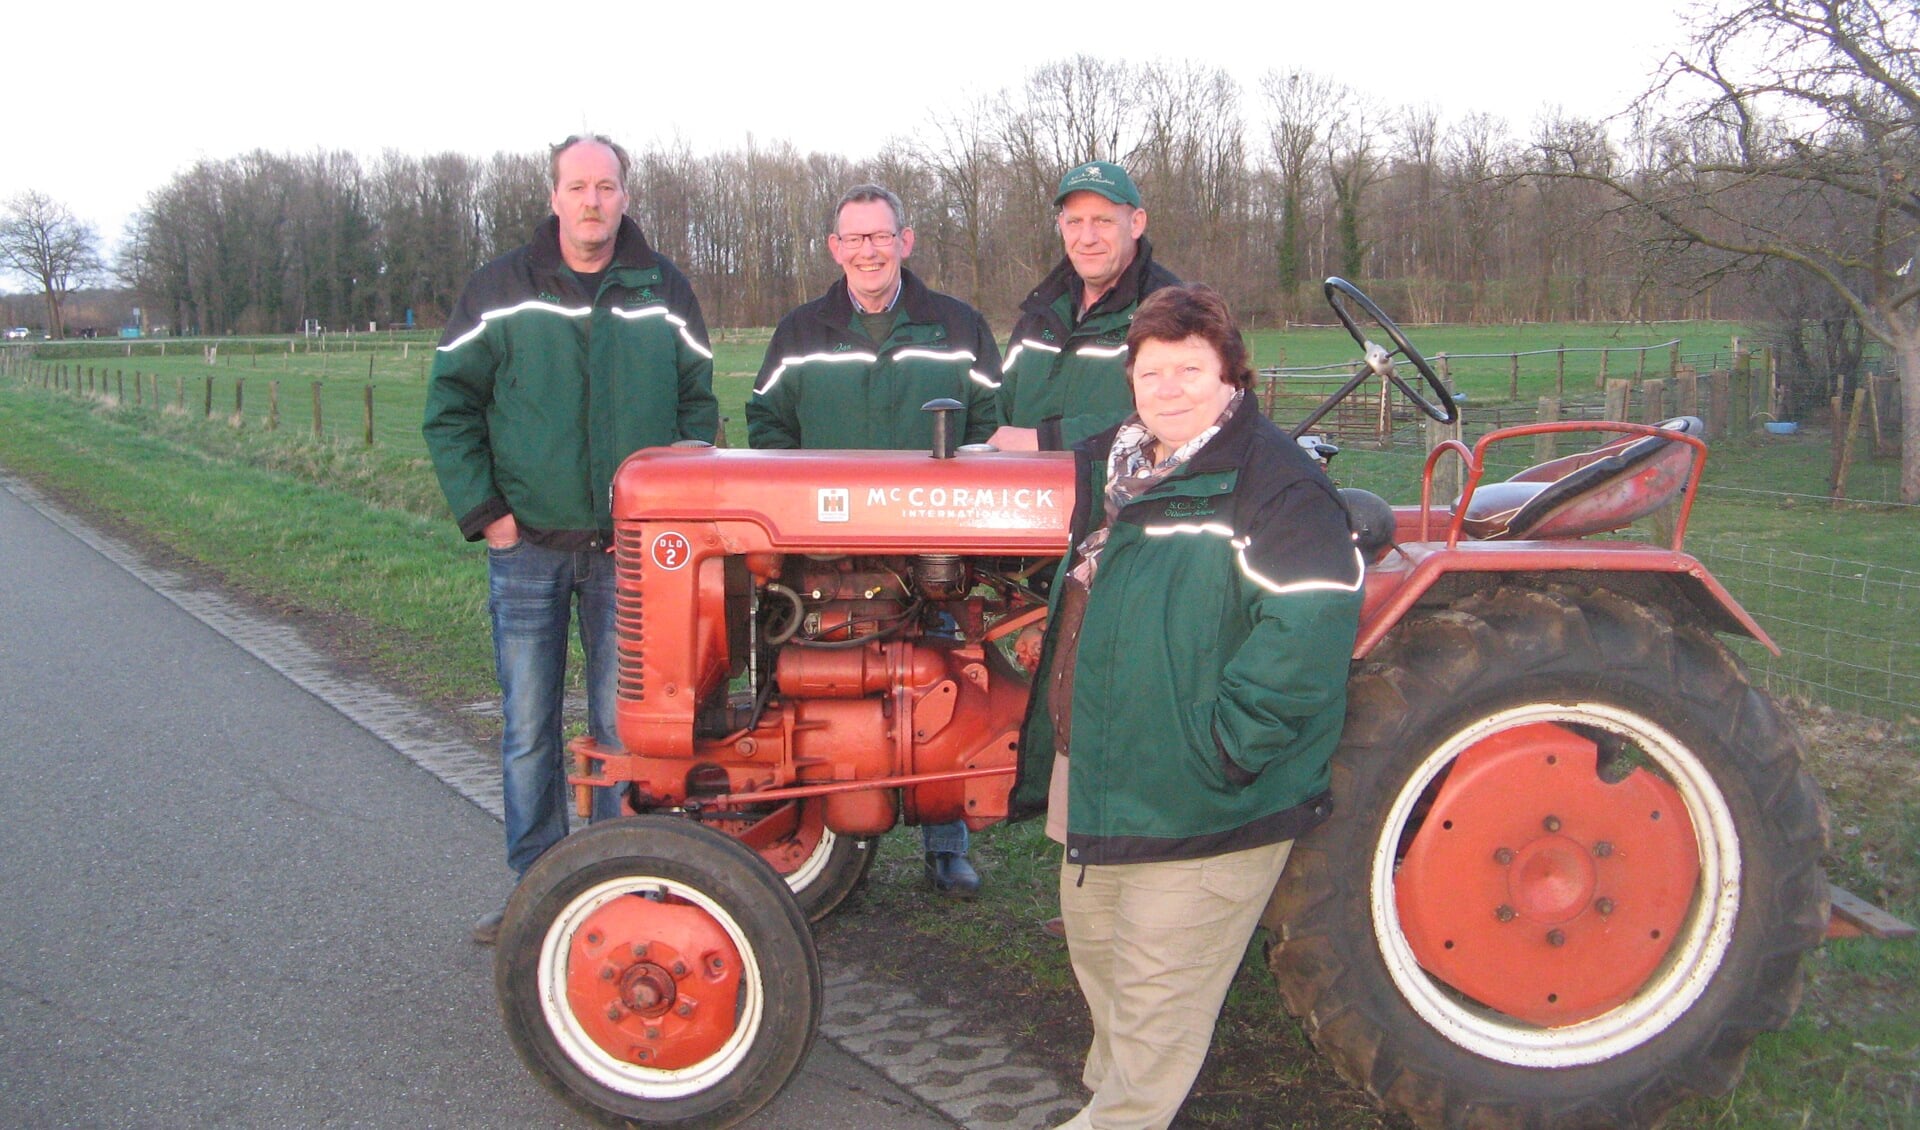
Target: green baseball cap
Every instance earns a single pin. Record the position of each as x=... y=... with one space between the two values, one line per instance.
x=1103 y=177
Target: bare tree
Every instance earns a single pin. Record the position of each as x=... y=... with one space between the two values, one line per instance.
x=1301 y=104
x=1794 y=137
x=41 y=241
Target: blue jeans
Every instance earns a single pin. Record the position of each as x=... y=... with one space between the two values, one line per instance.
x=530 y=597
x=944 y=837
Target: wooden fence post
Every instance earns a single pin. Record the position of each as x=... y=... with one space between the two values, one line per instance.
x=1844 y=456
x=209 y=408
x=180 y=393
x=369 y=415
x=1513 y=378
x=1545 y=445
x=1618 y=395
x=1654 y=408
x=1673 y=359
x=1560 y=373
x=273 y=406
x=120 y=385
x=316 y=407
x=1686 y=392
x=239 y=400
x=1719 y=403
x=139 y=389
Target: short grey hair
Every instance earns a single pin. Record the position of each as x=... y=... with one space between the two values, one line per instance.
x=866 y=194
x=554 y=151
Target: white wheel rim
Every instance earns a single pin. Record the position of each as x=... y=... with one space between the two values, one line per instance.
x=1667 y=994
x=815 y=865
x=618 y=1074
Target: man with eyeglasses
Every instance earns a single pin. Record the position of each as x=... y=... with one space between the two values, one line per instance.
x=559 y=360
x=852 y=368
x=1065 y=378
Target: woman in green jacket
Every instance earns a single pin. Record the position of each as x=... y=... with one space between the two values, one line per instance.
x=1194 y=673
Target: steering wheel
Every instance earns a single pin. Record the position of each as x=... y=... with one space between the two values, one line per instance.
x=1380 y=362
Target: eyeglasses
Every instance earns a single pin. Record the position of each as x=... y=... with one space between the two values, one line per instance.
x=881 y=240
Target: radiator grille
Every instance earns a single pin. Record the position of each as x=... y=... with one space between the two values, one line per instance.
x=629 y=619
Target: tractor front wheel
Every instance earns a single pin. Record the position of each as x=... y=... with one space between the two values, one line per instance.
x=658 y=972
x=1573 y=865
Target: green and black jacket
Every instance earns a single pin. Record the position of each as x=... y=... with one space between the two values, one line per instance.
x=826 y=384
x=1068 y=379
x=540 y=389
x=1209 y=682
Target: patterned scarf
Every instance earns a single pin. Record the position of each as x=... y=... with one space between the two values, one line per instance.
x=1131 y=473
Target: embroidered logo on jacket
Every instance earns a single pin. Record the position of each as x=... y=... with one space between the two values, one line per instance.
x=1190 y=507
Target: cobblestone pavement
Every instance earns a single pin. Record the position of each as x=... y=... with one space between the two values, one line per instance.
x=922 y=1048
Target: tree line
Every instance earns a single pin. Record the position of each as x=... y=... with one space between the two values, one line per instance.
x=1259 y=192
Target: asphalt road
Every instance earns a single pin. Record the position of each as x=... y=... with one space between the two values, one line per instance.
x=222 y=903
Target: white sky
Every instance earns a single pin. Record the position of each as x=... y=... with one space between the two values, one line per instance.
x=125 y=95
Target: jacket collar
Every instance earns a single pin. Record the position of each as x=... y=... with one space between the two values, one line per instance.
x=837 y=305
x=1127 y=291
x=630 y=247
x=1226 y=451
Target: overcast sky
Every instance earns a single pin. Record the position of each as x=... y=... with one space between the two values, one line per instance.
x=111 y=99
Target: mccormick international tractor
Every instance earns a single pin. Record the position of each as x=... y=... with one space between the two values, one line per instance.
x=1574 y=856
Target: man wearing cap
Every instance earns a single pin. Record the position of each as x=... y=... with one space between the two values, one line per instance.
x=1065 y=372
x=560 y=359
x=852 y=368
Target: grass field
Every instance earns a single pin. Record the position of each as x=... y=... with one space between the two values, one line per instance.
x=356 y=537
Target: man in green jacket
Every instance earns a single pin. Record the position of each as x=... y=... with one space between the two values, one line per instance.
x=560 y=359
x=852 y=369
x=1065 y=378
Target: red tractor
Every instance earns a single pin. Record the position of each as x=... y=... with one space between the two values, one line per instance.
x=1574 y=858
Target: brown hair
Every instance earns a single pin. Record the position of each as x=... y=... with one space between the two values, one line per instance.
x=1176 y=313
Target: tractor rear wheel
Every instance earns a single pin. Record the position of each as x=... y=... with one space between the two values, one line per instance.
x=655 y=971
x=1573 y=864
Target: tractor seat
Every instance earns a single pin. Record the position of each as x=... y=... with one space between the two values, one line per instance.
x=1371 y=520
x=1588 y=493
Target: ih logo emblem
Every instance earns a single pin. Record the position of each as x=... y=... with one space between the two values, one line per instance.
x=835 y=504
x=671 y=551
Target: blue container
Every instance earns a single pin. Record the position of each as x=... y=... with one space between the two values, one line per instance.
x=1782 y=427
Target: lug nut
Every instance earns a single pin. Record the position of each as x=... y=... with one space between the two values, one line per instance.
x=1503 y=856
x=653 y=1033
x=613 y=1012
x=683 y=1009
x=1556 y=938
x=1503 y=912
x=1604 y=906
x=606 y=972
x=1551 y=823
x=679 y=969
x=1603 y=849
x=593 y=937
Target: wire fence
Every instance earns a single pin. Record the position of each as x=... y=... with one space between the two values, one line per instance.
x=1849 y=630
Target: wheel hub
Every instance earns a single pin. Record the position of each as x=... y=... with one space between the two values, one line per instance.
x=1551 y=879
x=654 y=982
x=1539 y=889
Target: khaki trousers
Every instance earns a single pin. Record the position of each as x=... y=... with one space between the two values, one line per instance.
x=1155 y=946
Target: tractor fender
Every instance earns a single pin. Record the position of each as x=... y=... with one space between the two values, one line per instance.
x=1429 y=574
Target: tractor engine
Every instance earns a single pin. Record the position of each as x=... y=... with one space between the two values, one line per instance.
x=825 y=626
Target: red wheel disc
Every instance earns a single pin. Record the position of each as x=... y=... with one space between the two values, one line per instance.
x=654 y=982
x=1538 y=888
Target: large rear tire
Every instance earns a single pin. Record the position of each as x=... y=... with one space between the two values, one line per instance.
x=1573 y=865
x=656 y=972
